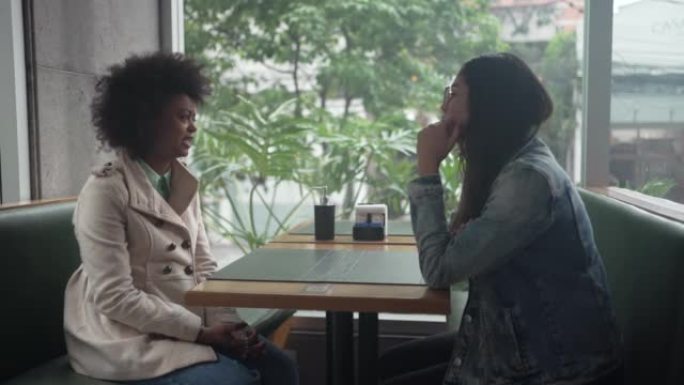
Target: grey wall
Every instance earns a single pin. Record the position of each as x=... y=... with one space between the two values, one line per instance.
x=75 y=41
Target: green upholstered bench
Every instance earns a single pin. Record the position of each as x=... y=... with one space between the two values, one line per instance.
x=39 y=254
x=644 y=258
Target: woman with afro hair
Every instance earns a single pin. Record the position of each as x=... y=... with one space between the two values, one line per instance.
x=143 y=245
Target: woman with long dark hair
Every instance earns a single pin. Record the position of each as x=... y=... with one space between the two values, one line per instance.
x=539 y=309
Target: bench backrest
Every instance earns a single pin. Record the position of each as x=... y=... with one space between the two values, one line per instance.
x=643 y=255
x=39 y=254
x=644 y=258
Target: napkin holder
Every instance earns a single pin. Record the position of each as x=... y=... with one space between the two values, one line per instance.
x=370 y=222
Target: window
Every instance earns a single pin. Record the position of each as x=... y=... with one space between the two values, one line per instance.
x=647 y=98
x=312 y=93
x=545 y=35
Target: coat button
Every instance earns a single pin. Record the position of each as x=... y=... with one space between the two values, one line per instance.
x=189 y=270
x=467 y=318
x=185 y=244
x=458 y=362
x=171 y=247
x=167 y=270
x=158 y=223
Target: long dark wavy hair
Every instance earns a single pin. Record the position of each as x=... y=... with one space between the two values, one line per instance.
x=507 y=104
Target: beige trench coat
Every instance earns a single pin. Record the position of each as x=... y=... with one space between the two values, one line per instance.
x=124 y=317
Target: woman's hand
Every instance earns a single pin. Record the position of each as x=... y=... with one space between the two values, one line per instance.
x=236 y=339
x=435 y=141
x=254 y=347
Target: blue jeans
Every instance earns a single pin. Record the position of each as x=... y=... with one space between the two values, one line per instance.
x=274 y=367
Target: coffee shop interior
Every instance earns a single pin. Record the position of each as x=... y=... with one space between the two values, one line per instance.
x=305 y=148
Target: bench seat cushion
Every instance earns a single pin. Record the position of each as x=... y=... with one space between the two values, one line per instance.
x=59 y=372
x=54 y=372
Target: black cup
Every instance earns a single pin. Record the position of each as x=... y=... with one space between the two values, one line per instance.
x=324 y=222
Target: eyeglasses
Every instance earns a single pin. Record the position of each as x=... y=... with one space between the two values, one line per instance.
x=448 y=93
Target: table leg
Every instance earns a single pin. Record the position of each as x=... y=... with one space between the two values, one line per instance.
x=328 y=348
x=368 y=349
x=340 y=349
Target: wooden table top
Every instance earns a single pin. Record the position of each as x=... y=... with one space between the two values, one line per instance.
x=316 y=296
x=323 y=296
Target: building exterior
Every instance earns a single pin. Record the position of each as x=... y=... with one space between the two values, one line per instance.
x=647 y=97
x=647 y=106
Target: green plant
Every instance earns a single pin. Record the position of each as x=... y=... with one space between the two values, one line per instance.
x=389 y=54
x=373 y=155
x=260 y=147
x=391 y=57
x=658 y=187
x=263 y=147
x=451 y=171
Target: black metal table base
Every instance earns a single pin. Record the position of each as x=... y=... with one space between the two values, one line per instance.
x=340 y=348
x=340 y=337
x=368 y=349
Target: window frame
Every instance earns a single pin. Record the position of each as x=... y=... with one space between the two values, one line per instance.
x=14 y=133
x=171 y=26
x=598 y=34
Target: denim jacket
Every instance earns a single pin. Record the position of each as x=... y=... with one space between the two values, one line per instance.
x=539 y=309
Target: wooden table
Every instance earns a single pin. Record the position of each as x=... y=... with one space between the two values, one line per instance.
x=339 y=300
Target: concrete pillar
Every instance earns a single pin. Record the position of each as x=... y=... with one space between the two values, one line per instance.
x=75 y=41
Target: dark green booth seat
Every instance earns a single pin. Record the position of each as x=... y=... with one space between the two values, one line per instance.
x=39 y=254
x=644 y=258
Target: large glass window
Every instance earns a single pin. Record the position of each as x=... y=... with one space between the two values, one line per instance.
x=544 y=34
x=647 y=98
x=333 y=93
